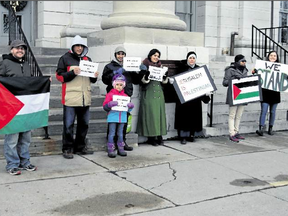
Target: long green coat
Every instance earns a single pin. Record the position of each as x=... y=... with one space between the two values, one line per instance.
x=152 y=115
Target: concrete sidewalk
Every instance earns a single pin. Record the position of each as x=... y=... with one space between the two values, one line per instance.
x=207 y=177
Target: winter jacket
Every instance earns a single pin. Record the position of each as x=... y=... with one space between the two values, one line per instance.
x=232 y=72
x=113 y=115
x=13 y=67
x=131 y=77
x=76 y=90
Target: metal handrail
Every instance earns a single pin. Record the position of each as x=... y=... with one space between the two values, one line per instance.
x=262 y=44
x=20 y=35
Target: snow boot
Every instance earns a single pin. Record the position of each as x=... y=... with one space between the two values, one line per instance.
x=121 y=150
x=111 y=150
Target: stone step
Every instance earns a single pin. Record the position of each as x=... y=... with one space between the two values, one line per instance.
x=95 y=113
x=248 y=127
x=97 y=142
x=96 y=101
x=56 y=127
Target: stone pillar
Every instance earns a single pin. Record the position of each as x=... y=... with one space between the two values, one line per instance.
x=144 y=14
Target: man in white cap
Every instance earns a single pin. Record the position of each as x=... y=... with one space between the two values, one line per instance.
x=76 y=98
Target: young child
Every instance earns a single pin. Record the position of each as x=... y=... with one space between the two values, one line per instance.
x=116 y=119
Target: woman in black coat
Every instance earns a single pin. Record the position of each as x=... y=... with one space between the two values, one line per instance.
x=188 y=116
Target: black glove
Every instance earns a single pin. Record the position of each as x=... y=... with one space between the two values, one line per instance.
x=146 y=75
x=254 y=71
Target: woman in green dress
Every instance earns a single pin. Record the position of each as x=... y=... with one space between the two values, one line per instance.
x=152 y=116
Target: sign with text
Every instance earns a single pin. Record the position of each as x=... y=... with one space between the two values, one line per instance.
x=132 y=63
x=157 y=73
x=88 y=69
x=273 y=75
x=245 y=90
x=122 y=103
x=193 y=84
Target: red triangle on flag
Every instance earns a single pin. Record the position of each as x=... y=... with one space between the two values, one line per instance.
x=236 y=92
x=10 y=106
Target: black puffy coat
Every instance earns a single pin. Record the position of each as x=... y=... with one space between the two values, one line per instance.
x=131 y=77
x=12 y=67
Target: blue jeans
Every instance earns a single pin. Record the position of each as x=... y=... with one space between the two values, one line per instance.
x=16 y=149
x=112 y=131
x=264 y=109
x=69 y=115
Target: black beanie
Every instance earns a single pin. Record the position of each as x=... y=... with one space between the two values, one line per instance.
x=238 y=57
x=190 y=53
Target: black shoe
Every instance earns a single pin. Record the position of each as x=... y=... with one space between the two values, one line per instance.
x=160 y=140
x=155 y=143
x=68 y=154
x=191 y=139
x=128 y=148
x=183 y=141
x=30 y=168
x=84 y=151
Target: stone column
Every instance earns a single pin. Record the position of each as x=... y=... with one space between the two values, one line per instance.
x=144 y=14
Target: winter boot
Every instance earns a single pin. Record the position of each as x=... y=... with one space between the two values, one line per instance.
x=270 y=131
x=260 y=131
x=121 y=150
x=111 y=150
x=160 y=140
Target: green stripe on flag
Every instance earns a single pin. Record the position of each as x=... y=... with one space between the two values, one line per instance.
x=22 y=123
x=247 y=95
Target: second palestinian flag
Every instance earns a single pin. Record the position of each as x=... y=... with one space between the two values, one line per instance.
x=246 y=90
x=24 y=103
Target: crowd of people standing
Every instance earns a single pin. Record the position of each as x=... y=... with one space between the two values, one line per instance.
x=76 y=100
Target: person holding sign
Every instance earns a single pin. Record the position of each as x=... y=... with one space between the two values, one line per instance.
x=236 y=70
x=152 y=116
x=188 y=116
x=270 y=100
x=76 y=98
x=116 y=67
x=116 y=119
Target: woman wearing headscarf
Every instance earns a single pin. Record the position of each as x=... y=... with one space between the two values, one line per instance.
x=188 y=116
x=152 y=116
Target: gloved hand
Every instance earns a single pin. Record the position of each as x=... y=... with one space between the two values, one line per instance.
x=119 y=71
x=143 y=67
x=171 y=80
x=112 y=104
x=254 y=71
x=146 y=75
x=165 y=75
x=130 y=105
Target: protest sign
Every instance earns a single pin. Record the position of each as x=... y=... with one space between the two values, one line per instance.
x=88 y=69
x=132 y=63
x=273 y=75
x=245 y=90
x=157 y=73
x=193 y=84
x=122 y=103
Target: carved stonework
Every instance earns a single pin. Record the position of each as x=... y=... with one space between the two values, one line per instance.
x=21 y=5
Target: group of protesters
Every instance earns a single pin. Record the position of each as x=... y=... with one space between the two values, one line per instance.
x=76 y=100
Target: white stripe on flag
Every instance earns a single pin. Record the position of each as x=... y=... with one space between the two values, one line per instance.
x=34 y=103
x=249 y=89
x=246 y=100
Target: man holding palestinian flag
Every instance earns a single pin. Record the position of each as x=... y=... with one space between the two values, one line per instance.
x=24 y=106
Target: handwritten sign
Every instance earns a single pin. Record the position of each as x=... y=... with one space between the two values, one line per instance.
x=132 y=63
x=273 y=75
x=88 y=69
x=122 y=103
x=193 y=84
x=157 y=73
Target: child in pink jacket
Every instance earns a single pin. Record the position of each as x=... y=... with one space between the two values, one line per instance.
x=116 y=119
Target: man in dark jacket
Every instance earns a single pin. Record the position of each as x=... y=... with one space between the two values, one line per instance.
x=76 y=98
x=16 y=146
x=116 y=66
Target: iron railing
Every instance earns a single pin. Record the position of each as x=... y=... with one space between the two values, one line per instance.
x=16 y=32
x=262 y=44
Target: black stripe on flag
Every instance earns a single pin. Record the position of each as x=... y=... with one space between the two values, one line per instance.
x=26 y=85
x=247 y=84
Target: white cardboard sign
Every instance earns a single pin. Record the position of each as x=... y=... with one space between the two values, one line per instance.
x=122 y=103
x=88 y=69
x=132 y=63
x=157 y=73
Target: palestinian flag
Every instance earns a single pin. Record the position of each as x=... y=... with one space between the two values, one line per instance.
x=24 y=103
x=246 y=90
